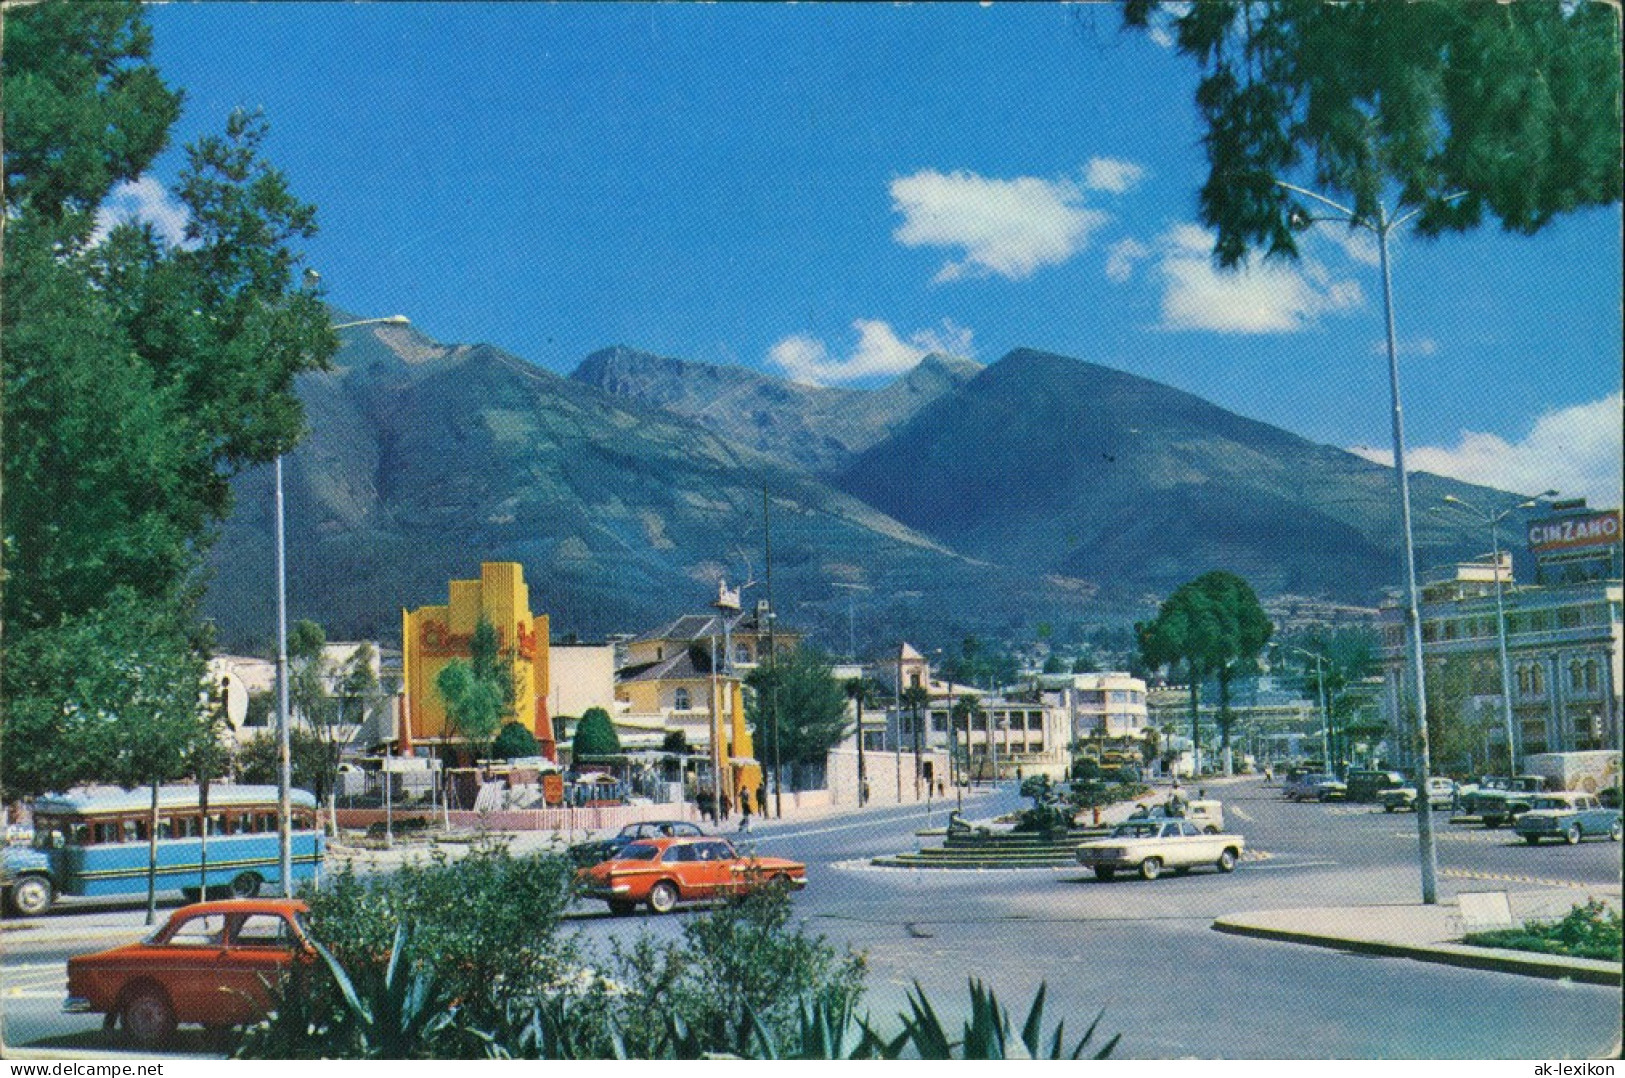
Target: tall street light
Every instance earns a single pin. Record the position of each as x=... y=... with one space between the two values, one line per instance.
x=1494 y=519
x=1325 y=714
x=1381 y=227
x=284 y=750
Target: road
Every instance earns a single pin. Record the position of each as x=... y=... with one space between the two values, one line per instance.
x=1144 y=954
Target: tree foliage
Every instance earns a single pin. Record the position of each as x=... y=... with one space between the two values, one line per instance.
x=811 y=705
x=140 y=376
x=479 y=691
x=1517 y=105
x=514 y=740
x=1215 y=626
x=595 y=736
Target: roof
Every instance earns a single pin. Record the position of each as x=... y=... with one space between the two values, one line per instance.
x=245 y=905
x=675 y=668
x=97 y=799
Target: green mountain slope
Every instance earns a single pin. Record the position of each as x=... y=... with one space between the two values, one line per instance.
x=1082 y=470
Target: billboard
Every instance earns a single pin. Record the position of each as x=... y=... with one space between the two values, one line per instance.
x=1576 y=531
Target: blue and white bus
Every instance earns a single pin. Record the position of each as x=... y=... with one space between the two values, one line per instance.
x=93 y=842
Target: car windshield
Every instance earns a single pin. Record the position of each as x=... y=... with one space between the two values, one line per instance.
x=1551 y=803
x=640 y=851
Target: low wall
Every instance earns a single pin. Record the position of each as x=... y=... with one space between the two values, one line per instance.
x=553 y=819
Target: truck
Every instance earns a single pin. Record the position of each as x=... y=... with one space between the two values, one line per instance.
x=1592 y=772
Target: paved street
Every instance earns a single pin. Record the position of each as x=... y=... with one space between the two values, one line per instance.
x=1144 y=953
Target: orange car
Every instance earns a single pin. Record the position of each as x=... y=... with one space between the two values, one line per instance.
x=666 y=871
x=212 y=964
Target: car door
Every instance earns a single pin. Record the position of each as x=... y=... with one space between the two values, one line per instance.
x=188 y=965
x=719 y=862
x=260 y=949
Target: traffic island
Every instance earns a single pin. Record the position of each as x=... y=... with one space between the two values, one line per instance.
x=1424 y=933
x=984 y=848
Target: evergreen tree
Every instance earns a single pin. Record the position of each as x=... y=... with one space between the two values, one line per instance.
x=811 y=706
x=595 y=737
x=514 y=740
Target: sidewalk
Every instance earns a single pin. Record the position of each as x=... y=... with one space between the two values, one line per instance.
x=1426 y=934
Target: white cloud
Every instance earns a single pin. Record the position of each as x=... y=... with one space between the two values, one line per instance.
x=1259 y=297
x=1010 y=228
x=879 y=351
x=1575 y=450
x=147 y=200
x=1111 y=174
x=1122 y=257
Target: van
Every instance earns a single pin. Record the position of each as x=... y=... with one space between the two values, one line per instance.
x=1368 y=785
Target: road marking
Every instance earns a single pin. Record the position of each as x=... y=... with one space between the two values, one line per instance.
x=1464 y=874
x=1240 y=814
x=863 y=864
x=1464 y=836
x=1299 y=864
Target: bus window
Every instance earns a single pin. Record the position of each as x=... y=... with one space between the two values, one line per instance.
x=133 y=830
x=265 y=821
x=78 y=833
x=217 y=823
x=103 y=831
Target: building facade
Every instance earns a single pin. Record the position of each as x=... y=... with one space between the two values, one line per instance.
x=1101 y=705
x=1563 y=638
x=434 y=636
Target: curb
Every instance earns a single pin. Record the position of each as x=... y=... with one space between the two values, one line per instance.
x=1549 y=967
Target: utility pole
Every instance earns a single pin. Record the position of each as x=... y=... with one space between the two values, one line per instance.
x=772 y=663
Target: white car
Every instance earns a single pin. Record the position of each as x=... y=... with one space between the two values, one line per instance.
x=1152 y=846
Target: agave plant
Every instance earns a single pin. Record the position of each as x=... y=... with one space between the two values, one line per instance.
x=987 y=1035
x=397 y=1014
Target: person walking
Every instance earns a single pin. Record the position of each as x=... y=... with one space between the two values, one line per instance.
x=761 y=800
x=727 y=808
x=744 y=813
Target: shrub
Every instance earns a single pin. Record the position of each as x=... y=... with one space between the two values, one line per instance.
x=595 y=736
x=515 y=739
x=1589 y=931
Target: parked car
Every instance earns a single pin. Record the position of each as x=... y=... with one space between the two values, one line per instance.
x=1369 y=785
x=1441 y=796
x=1206 y=814
x=587 y=854
x=1150 y=846
x=1314 y=786
x=665 y=871
x=1499 y=800
x=213 y=964
x=1568 y=816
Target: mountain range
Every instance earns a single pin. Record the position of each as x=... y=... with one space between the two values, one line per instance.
x=955 y=499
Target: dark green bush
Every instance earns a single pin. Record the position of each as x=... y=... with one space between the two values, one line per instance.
x=1589 y=931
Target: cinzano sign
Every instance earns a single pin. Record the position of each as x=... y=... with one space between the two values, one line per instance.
x=1574 y=532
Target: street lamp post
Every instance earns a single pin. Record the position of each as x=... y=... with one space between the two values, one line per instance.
x=284 y=750
x=1494 y=520
x=1381 y=227
x=1325 y=715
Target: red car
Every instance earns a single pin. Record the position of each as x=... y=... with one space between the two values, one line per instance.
x=212 y=964
x=666 y=871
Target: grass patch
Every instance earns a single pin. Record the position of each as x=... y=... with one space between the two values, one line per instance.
x=1589 y=931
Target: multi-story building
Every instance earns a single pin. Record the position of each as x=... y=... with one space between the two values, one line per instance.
x=1100 y=705
x=1563 y=636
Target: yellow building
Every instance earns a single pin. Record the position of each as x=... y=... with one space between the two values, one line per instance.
x=686 y=676
x=432 y=636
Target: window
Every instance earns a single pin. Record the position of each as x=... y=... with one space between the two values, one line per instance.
x=1523 y=681
x=1537 y=680
x=264 y=930
x=208 y=930
x=1576 y=676
x=680 y=700
x=104 y=831
x=914 y=680
x=939 y=721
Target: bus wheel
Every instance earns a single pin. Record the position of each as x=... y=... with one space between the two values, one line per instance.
x=31 y=896
x=246 y=885
x=149 y=1020
x=192 y=894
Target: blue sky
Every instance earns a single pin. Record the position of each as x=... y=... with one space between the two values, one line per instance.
x=828 y=193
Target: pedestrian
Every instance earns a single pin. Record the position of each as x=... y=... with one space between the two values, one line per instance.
x=761 y=800
x=727 y=808
x=744 y=812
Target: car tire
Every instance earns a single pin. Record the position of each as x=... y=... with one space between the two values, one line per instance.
x=31 y=896
x=1573 y=835
x=1390 y=808
x=147 y=1016
x=1226 y=861
x=1615 y=831
x=1150 y=868
x=622 y=909
x=1104 y=873
x=245 y=885
x=1492 y=823
x=663 y=897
